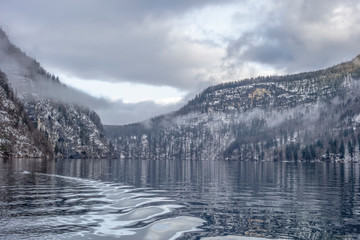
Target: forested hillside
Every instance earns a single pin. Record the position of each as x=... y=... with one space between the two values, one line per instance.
x=306 y=116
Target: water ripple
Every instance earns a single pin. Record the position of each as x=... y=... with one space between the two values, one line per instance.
x=75 y=208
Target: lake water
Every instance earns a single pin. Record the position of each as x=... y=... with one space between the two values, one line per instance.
x=121 y=199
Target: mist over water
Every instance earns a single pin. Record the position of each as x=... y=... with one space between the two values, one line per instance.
x=105 y=199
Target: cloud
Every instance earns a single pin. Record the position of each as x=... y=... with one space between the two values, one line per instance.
x=140 y=41
x=119 y=41
x=300 y=36
x=27 y=77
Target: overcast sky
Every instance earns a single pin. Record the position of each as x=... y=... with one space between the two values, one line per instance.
x=148 y=57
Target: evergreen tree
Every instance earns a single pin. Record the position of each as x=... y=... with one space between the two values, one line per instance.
x=351 y=149
x=342 y=149
x=327 y=153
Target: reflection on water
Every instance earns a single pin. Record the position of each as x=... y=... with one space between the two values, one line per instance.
x=38 y=204
x=94 y=199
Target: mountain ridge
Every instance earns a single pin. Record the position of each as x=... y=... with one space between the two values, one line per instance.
x=227 y=121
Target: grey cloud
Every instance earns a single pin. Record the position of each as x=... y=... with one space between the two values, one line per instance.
x=301 y=36
x=137 y=55
x=128 y=40
x=26 y=77
x=100 y=10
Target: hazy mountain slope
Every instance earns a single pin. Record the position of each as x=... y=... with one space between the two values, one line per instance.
x=305 y=116
x=277 y=92
x=73 y=131
x=18 y=137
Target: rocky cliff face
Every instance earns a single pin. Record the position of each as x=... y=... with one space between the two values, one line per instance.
x=304 y=116
x=18 y=137
x=73 y=131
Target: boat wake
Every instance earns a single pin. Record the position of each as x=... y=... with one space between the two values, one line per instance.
x=74 y=208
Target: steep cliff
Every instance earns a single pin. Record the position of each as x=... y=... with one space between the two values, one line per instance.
x=18 y=137
x=73 y=131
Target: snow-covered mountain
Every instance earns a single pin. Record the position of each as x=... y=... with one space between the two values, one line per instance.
x=306 y=116
x=73 y=131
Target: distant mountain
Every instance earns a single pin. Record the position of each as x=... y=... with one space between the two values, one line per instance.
x=306 y=116
x=72 y=131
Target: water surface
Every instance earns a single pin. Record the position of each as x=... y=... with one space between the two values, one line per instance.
x=138 y=199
